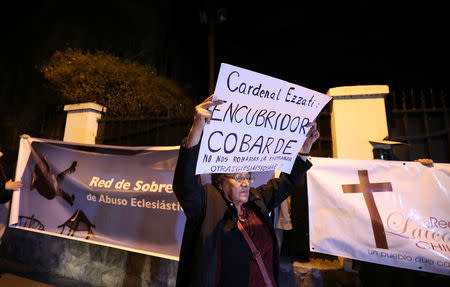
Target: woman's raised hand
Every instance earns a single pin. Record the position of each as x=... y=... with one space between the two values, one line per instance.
x=201 y=118
x=311 y=136
x=202 y=114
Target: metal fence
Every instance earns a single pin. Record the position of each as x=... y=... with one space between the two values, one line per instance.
x=417 y=117
x=165 y=131
x=420 y=118
x=160 y=131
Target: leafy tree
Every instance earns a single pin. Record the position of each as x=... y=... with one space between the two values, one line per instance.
x=128 y=89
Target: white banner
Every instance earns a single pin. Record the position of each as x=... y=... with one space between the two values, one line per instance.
x=261 y=125
x=386 y=212
x=115 y=196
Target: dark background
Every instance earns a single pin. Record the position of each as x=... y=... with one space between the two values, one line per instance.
x=316 y=44
x=311 y=43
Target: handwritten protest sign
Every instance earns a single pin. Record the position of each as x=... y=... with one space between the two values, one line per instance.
x=261 y=125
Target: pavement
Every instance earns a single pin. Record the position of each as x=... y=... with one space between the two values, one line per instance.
x=294 y=273
x=14 y=274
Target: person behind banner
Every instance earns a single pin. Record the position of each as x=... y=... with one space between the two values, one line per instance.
x=6 y=186
x=226 y=217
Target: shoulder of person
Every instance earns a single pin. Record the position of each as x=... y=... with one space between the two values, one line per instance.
x=255 y=194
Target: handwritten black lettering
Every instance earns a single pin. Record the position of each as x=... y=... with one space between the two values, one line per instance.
x=244 y=88
x=246 y=143
x=292 y=98
x=242 y=114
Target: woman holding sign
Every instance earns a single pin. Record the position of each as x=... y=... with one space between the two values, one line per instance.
x=229 y=238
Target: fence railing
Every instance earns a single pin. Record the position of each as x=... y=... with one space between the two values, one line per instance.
x=418 y=117
x=160 y=131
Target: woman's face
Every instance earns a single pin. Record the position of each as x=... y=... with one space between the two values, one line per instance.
x=236 y=187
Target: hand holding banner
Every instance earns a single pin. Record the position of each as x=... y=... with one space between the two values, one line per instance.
x=261 y=125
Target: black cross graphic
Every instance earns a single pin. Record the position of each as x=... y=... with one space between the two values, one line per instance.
x=366 y=188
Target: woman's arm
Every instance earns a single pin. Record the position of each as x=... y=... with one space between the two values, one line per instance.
x=278 y=189
x=186 y=185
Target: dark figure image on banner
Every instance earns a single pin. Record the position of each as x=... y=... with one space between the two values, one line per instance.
x=116 y=195
x=31 y=222
x=44 y=180
x=78 y=222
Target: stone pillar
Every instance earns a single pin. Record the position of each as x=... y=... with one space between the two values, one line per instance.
x=80 y=260
x=82 y=122
x=358 y=115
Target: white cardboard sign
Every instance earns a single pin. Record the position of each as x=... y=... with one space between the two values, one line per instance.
x=261 y=125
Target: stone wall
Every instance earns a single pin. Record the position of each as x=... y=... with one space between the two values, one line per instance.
x=90 y=263
x=98 y=265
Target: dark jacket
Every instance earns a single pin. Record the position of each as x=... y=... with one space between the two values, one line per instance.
x=211 y=218
x=5 y=195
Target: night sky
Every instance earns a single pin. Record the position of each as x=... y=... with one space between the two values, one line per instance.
x=311 y=43
x=323 y=45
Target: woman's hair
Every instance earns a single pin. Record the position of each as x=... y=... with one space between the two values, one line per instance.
x=217 y=179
